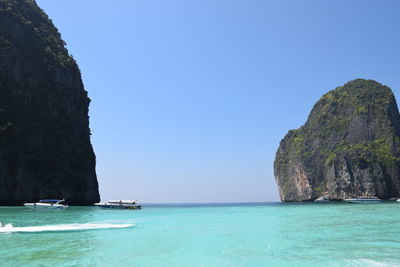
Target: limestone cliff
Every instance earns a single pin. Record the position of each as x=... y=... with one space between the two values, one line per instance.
x=45 y=149
x=349 y=147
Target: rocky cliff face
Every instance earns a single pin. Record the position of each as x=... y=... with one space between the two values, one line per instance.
x=349 y=147
x=45 y=149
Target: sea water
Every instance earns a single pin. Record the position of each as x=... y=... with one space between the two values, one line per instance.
x=210 y=235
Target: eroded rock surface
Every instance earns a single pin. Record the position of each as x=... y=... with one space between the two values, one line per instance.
x=45 y=149
x=348 y=147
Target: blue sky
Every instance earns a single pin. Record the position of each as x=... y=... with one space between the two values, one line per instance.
x=190 y=99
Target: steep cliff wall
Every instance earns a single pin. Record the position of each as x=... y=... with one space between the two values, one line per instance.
x=349 y=147
x=45 y=148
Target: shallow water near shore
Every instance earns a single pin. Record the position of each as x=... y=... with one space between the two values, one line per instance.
x=211 y=235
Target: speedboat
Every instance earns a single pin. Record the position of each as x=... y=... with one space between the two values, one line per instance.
x=120 y=204
x=48 y=204
x=322 y=199
x=363 y=200
x=398 y=200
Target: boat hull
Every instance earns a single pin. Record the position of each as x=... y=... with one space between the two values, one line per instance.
x=45 y=206
x=362 y=201
x=118 y=206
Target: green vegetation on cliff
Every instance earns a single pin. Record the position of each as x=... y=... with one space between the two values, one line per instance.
x=352 y=131
x=26 y=16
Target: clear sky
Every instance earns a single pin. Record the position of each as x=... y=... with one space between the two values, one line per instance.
x=190 y=99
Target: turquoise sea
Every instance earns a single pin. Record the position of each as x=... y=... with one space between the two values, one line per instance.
x=204 y=235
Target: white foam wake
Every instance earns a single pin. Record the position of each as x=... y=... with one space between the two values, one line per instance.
x=9 y=228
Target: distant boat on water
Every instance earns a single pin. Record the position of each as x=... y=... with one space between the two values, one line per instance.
x=48 y=204
x=322 y=199
x=363 y=200
x=120 y=204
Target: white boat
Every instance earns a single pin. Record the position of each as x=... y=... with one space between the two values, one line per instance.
x=48 y=204
x=120 y=204
x=322 y=199
x=363 y=200
x=398 y=200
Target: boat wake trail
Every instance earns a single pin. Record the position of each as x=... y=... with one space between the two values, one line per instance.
x=9 y=228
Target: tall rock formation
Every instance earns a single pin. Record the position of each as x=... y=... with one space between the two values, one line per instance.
x=349 y=147
x=45 y=149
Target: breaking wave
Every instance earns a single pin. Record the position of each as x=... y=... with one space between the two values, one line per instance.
x=9 y=228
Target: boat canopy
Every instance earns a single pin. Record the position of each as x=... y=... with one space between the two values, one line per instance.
x=50 y=200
